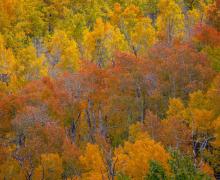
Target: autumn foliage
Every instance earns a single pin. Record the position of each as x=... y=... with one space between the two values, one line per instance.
x=109 y=90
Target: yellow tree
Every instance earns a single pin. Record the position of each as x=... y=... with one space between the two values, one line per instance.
x=174 y=130
x=133 y=159
x=93 y=161
x=22 y=22
x=7 y=63
x=8 y=13
x=101 y=43
x=31 y=18
x=50 y=167
x=9 y=167
x=63 y=52
x=201 y=123
x=137 y=29
x=200 y=115
x=91 y=10
x=170 y=22
x=55 y=11
x=11 y=170
x=143 y=36
x=28 y=66
x=176 y=108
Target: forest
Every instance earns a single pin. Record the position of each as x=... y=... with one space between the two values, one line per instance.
x=109 y=89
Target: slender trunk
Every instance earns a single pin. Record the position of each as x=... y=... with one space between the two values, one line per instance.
x=90 y=121
x=89 y=125
x=28 y=175
x=73 y=131
x=43 y=174
x=143 y=109
x=38 y=45
x=21 y=140
x=102 y=128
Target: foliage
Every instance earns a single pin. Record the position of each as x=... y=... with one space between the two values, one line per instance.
x=117 y=89
x=156 y=171
x=134 y=158
x=183 y=167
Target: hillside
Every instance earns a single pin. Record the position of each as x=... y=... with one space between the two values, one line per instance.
x=109 y=90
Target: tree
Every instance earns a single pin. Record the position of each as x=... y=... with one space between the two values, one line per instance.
x=153 y=126
x=117 y=89
x=137 y=29
x=174 y=129
x=31 y=20
x=133 y=159
x=201 y=123
x=63 y=52
x=7 y=63
x=207 y=40
x=95 y=167
x=91 y=10
x=16 y=72
x=185 y=60
x=156 y=172
x=72 y=166
x=10 y=169
x=34 y=141
x=50 y=168
x=9 y=10
x=55 y=11
x=170 y=22
x=29 y=67
x=101 y=44
x=182 y=167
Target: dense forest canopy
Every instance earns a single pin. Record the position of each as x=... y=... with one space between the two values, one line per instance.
x=109 y=90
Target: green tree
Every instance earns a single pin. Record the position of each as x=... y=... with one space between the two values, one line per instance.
x=156 y=172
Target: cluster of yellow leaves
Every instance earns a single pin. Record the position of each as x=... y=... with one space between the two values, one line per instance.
x=24 y=67
x=103 y=41
x=133 y=158
x=170 y=19
x=50 y=168
x=7 y=64
x=7 y=59
x=143 y=36
x=64 y=52
x=9 y=167
x=194 y=17
x=7 y=12
x=176 y=108
x=202 y=120
x=29 y=66
x=94 y=163
x=200 y=117
x=136 y=131
x=11 y=170
x=137 y=29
